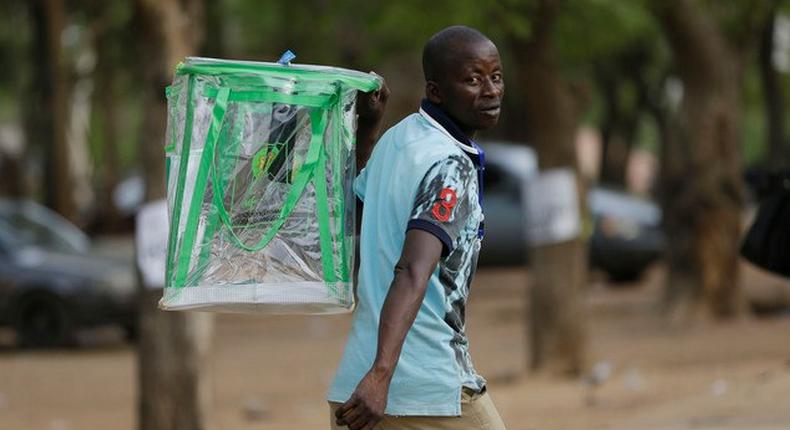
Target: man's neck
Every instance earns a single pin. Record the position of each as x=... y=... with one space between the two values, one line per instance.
x=447 y=121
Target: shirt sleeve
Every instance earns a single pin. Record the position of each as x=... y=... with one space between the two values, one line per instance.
x=444 y=200
x=360 y=182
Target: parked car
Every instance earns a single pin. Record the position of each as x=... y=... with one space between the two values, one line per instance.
x=626 y=236
x=50 y=282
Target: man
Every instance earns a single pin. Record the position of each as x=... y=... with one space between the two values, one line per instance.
x=406 y=363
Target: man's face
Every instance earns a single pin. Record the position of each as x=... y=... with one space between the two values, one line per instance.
x=470 y=88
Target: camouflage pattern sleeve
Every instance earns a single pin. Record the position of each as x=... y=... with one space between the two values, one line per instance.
x=444 y=200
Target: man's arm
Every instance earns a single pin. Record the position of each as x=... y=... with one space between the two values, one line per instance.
x=370 y=111
x=421 y=253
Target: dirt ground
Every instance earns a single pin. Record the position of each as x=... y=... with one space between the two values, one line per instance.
x=272 y=372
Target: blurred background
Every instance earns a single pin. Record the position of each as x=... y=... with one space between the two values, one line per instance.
x=668 y=116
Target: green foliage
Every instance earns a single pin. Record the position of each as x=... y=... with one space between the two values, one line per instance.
x=361 y=31
x=740 y=20
x=648 y=135
x=14 y=38
x=515 y=18
x=591 y=31
x=254 y=28
x=591 y=38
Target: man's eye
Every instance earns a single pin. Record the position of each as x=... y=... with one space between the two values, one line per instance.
x=473 y=81
x=497 y=78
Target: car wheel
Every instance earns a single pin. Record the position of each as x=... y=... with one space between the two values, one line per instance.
x=42 y=321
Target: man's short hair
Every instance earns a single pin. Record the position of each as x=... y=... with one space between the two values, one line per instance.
x=438 y=52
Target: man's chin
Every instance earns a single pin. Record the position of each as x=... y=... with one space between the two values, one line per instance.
x=487 y=122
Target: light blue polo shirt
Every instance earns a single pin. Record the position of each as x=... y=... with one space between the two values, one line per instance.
x=419 y=176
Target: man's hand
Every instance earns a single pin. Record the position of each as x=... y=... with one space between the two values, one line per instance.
x=370 y=112
x=366 y=406
x=370 y=106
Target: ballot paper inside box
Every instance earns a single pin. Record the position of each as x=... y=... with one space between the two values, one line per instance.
x=260 y=164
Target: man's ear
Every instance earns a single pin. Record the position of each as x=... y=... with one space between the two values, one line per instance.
x=432 y=93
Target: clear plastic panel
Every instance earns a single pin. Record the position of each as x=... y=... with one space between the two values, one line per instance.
x=261 y=209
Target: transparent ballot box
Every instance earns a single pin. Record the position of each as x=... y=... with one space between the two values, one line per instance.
x=260 y=164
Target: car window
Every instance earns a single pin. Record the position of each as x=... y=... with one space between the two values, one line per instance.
x=18 y=231
x=498 y=181
x=43 y=227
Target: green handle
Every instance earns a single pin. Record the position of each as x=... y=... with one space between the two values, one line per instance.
x=302 y=178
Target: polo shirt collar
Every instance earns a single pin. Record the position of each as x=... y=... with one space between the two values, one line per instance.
x=437 y=118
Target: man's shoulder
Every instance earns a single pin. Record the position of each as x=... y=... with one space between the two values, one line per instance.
x=415 y=130
x=419 y=142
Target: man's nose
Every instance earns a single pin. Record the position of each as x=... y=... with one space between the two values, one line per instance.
x=491 y=89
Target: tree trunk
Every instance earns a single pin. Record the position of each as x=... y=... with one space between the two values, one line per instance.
x=47 y=111
x=174 y=354
x=618 y=129
x=107 y=162
x=174 y=350
x=778 y=152
x=556 y=318
x=12 y=183
x=701 y=167
x=651 y=99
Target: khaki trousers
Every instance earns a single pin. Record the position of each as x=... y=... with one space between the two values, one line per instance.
x=477 y=413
